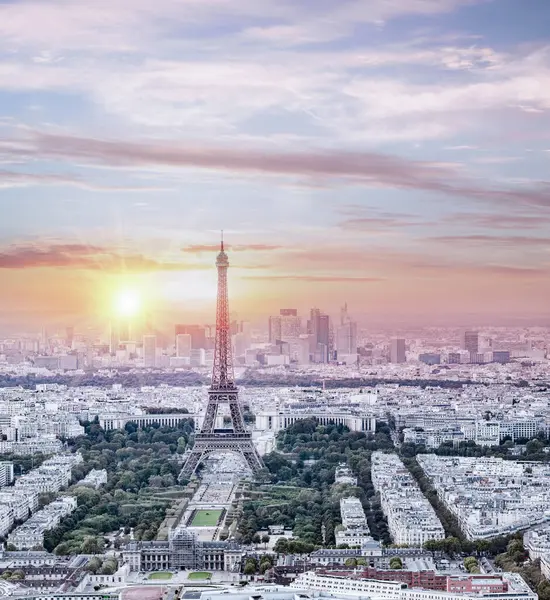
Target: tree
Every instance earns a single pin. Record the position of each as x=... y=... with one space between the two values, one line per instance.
x=92 y=545
x=351 y=563
x=281 y=546
x=256 y=539
x=265 y=565
x=543 y=590
x=265 y=539
x=249 y=568
x=108 y=567
x=94 y=564
x=471 y=564
x=396 y=563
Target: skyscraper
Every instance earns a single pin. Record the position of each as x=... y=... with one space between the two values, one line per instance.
x=124 y=330
x=323 y=337
x=346 y=338
x=274 y=329
x=397 y=351
x=313 y=323
x=344 y=317
x=471 y=342
x=113 y=338
x=285 y=326
x=149 y=350
x=70 y=336
x=197 y=333
x=183 y=345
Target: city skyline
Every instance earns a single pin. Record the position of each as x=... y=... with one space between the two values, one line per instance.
x=389 y=154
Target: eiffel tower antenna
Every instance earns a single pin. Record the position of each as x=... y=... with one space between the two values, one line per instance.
x=222 y=391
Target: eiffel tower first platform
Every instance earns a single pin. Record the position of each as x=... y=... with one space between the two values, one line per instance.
x=222 y=391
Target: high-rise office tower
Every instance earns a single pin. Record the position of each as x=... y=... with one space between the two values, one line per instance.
x=346 y=338
x=239 y=344
x=313 y=323
x=149 y=350
x=285 y=326
x=246 y=330
x=113 y=338
x=121 y=333
x=148 y=324
x=344 y=316
x=320 y=330
x=397 y=351
x=323 y=336
x=70 y=336
x=197 y=333
x=183 y=345
x=274 y=329
x=471 y=342
x=291 y=326
x=124 y=330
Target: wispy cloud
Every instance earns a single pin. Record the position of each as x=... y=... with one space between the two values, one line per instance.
x=200 y=248
x=360 y=168
x=511 y=241
x=315 y=278
x=82 y=256
x=10 y=179
x=513 y=221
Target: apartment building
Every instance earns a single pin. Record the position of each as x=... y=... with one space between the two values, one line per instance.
x=31 y=534
x=411 y=518
x=490 y=496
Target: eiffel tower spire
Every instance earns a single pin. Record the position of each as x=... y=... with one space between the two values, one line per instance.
x=222 y=391
x=222 y=371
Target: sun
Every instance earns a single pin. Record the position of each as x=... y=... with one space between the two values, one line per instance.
x=127 y=303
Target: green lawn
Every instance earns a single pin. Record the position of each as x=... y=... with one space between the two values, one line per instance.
x=199 y=576
x=160 y=575
x=206 y=518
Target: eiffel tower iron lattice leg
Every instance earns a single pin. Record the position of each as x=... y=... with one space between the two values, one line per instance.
x=206 y=444
x=222 y=391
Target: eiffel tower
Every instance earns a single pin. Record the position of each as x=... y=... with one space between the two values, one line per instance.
x=222 y=391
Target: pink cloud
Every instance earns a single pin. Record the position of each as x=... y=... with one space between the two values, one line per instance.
x=361 y=168
x=82 y=256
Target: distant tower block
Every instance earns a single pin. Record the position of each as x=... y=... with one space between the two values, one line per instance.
x=222 y=391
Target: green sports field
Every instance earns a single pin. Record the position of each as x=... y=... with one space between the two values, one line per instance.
x=199 y=576
x=206 y=518
x=160 y=575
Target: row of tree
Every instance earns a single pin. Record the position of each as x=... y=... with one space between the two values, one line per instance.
x=302 y=494
x=137 y=461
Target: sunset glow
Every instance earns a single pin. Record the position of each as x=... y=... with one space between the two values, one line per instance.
x=127 y=303
x=393 y=155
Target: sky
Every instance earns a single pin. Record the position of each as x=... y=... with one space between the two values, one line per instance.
x=394 y=154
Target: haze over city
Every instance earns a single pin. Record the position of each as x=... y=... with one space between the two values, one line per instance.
x=274 y=283
x=393 y=155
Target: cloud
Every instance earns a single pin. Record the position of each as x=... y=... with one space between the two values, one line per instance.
x=125 y=25
x=81 y=256
x=394 y=265
x=370 y=219
x=315 y=278
x=11 y=179
x=499 y=220
x=199 y=248
x=360 y=168
x=512 y=240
